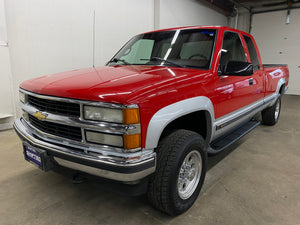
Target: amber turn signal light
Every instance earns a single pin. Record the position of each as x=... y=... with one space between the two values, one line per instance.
x=132 y=141
x=131 y=116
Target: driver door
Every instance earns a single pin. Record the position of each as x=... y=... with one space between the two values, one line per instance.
x=233 y=92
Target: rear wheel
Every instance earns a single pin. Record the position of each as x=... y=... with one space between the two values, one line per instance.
x=270 y=116
x=180 y=172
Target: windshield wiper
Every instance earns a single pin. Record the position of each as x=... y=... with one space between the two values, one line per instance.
x=115 y=60
x=165 y=60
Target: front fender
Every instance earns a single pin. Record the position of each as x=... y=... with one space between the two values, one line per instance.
x=166 y=115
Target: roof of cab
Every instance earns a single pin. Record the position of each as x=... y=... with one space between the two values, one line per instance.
x=195 y=27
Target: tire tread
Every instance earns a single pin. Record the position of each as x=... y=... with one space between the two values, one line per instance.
x=158 y=191
x=268 y=115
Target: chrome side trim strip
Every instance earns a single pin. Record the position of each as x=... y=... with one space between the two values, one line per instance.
x=232 y=117
x=218 y=127
x=236 y=115
x=269 y=98
x=231 y=121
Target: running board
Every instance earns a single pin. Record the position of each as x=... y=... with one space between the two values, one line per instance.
x=227 y=140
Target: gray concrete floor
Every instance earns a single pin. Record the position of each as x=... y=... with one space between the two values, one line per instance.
x=255 y=181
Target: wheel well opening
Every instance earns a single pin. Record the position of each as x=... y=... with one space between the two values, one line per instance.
x=196 y=121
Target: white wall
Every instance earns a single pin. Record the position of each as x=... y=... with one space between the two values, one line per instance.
x=280 y=42
x=188 y=13
x=7 y=104
x=117 y=21
x=52 y=36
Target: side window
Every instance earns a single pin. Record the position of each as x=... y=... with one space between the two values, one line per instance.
x=232 y=49
x=252 y=52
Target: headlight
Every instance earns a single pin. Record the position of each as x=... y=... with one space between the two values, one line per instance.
x=103 y=114
x=129 y=140
x=22 y=97
x=104 y=139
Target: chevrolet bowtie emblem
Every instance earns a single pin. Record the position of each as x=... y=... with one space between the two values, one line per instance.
x=40 y=115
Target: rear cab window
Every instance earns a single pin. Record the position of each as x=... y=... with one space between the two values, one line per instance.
x=252 y=52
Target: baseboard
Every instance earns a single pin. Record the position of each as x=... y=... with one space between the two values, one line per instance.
x=6 y=123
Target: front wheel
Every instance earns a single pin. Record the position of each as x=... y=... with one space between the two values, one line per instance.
x=270 y=116
x=180 y=172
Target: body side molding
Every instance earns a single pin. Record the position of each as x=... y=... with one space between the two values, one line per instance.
x=172 y=112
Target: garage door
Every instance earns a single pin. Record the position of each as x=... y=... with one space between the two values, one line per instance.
x=280 y=42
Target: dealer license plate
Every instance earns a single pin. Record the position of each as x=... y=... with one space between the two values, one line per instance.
x=32 y=155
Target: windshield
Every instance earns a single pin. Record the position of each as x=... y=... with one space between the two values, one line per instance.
x=181 y=48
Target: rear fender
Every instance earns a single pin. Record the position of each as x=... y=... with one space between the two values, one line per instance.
x=279 y=85
x=281 y=82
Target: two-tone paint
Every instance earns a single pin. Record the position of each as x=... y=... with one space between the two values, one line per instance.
x=165 y=94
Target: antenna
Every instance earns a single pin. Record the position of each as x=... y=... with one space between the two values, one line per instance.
x=94 y=34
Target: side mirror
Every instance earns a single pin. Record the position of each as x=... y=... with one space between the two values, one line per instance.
x=237 y=68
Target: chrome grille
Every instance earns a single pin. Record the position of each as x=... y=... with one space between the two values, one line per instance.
x=64 y=131
x=57 y=107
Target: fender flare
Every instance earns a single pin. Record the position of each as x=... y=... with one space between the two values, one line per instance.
x=280 y=83
x=166 y=115
x=276 y=93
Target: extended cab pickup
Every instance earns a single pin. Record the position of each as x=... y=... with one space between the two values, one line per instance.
x=153 y=113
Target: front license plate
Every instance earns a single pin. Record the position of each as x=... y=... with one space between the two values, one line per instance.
x=33 y=155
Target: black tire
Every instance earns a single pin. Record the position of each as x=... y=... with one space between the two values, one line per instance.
x=270 y=116
x=163 y=191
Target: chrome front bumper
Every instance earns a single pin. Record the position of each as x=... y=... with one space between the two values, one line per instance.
x=123 y=168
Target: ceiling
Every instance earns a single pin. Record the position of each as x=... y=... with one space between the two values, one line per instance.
x=228 y=6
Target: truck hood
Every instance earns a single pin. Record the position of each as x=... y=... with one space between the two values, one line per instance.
x=106 y=84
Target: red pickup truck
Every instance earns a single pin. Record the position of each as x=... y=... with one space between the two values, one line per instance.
x=151 y=116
